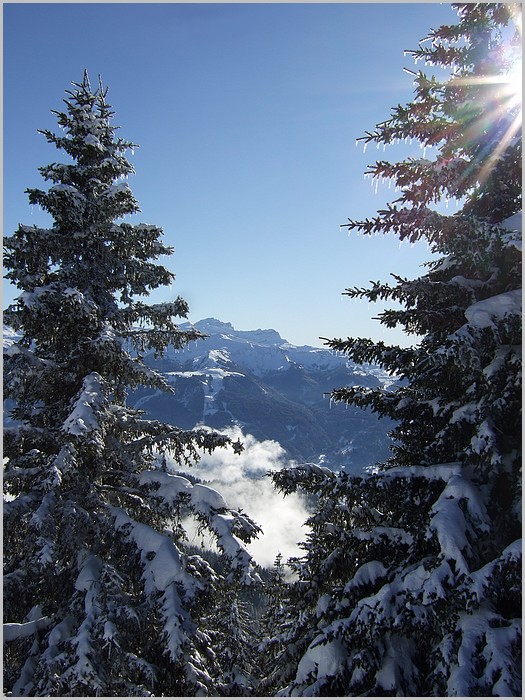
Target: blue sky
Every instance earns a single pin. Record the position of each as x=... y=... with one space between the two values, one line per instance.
x=247 y=117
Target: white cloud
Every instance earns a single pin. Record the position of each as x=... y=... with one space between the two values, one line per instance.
x=242 y=481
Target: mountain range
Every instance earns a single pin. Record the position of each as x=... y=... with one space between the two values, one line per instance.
x=272 y=390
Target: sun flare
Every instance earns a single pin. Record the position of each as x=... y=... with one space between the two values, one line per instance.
x=499 y=122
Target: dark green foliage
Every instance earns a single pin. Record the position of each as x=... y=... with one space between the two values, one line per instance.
x=275 y=626
x=411 y=575
x=101 y=595
x=234 y=640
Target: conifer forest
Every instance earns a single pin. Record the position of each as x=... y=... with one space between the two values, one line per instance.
x=409 y=579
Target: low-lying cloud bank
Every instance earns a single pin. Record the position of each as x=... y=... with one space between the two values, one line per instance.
x=242 y=481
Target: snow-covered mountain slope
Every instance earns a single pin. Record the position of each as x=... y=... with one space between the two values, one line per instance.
x=263 y=351
x=272 y=390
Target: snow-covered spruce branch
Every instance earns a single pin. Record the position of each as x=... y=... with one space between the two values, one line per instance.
x=230 y=528
x=19 y=630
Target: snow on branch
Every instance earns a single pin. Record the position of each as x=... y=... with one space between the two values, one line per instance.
x=85 y=416
x=482 y=640
x=450 y=527
x=482 y=578
x=230 y=528
x=484 y=314
x=19 y=630
x=161 y=559
x=164 y=571
x=184 y=445
x=367 y=573
x=433 y=472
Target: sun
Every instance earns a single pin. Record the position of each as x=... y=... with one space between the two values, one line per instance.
x=499 y=98
x=506 y=110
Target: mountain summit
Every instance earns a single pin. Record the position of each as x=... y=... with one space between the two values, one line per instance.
x=212 y=326
x=271 y=389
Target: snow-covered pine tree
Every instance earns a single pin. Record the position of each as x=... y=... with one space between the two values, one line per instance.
x=273 y=631
x=101 y=596
x=411 y=579
x=234 y=640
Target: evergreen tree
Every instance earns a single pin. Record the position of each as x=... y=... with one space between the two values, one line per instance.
x=101 y=596
x=234 y=641
x=411 y=579
x=274 y=628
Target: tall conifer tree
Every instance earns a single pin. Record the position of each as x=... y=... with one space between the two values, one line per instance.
x=411 y=579
x=274 y=629
x=100 y=595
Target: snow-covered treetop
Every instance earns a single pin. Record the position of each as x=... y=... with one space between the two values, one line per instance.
x=91 y=505
x=90 y=259
x=469 y=122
